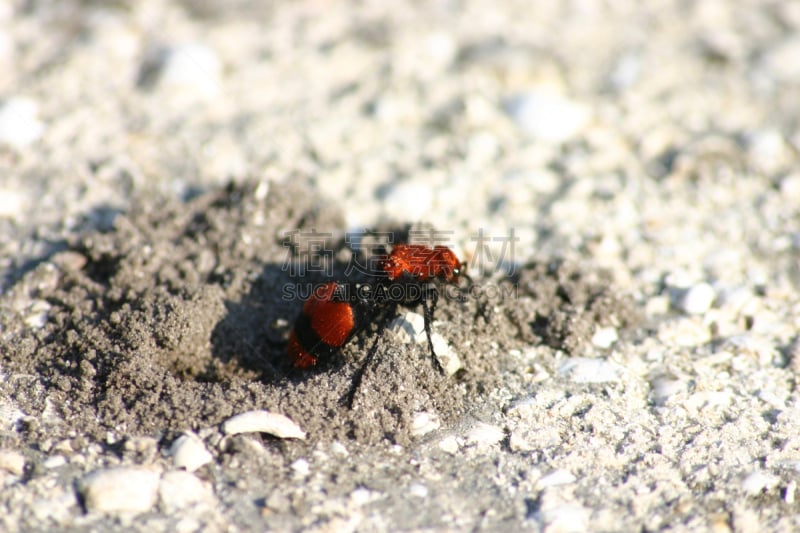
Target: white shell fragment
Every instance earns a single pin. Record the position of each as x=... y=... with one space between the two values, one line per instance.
x=189 y=452
x=263 y=422
x=121 y=489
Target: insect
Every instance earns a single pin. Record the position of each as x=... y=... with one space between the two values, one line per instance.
x=336 y=311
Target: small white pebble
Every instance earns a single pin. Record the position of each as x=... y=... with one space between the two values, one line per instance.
x=362 y=496
x=626 y=71
x=523 y=407
x=548 y=116
x=192 y=68
x=179 y=489
x=392 y=109
x=697 y=299
x=419 y=490
x=301 y=467
x=556 y=477
x=605 y=337
x=585 y=370
x=11 y=203
x=339 y=449
x=566 y=518
x=790 y=187
x=19 y=122
x=37 y=314
x=449 y=445
x=450 y=361
x=408 y=328
x=189 y=452
x=483 y=434
x=423 y=423
x=121 y=489
x=54 y=462
x=12 y=462
x=759 y=482
x=440 y=48
x=656 y=305
x=262 y=190
x=263 y=422
x=767 y=150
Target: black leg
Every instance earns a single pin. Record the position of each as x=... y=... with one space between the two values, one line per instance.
x=427 y=310
x=358 y=377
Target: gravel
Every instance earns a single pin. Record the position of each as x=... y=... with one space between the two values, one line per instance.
x=12 y=462
x=179 y=490
x=120 y=490
x=19 y=122
x=623 y=178
x=189 y=452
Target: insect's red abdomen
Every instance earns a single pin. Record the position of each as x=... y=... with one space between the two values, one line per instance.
x=332 y=321
x=324 y=326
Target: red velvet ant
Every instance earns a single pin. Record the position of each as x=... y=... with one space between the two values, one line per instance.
x=337 y=310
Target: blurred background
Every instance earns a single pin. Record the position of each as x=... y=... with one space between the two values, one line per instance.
x=631 y=133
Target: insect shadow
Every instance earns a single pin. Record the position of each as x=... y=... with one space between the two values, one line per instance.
x=254 y=332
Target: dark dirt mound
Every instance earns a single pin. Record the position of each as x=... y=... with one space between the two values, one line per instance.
x=177 y=318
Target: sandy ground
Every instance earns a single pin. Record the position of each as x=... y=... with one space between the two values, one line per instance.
x=624 y=180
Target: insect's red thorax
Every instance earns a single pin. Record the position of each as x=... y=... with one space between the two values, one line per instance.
x=421 y=263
